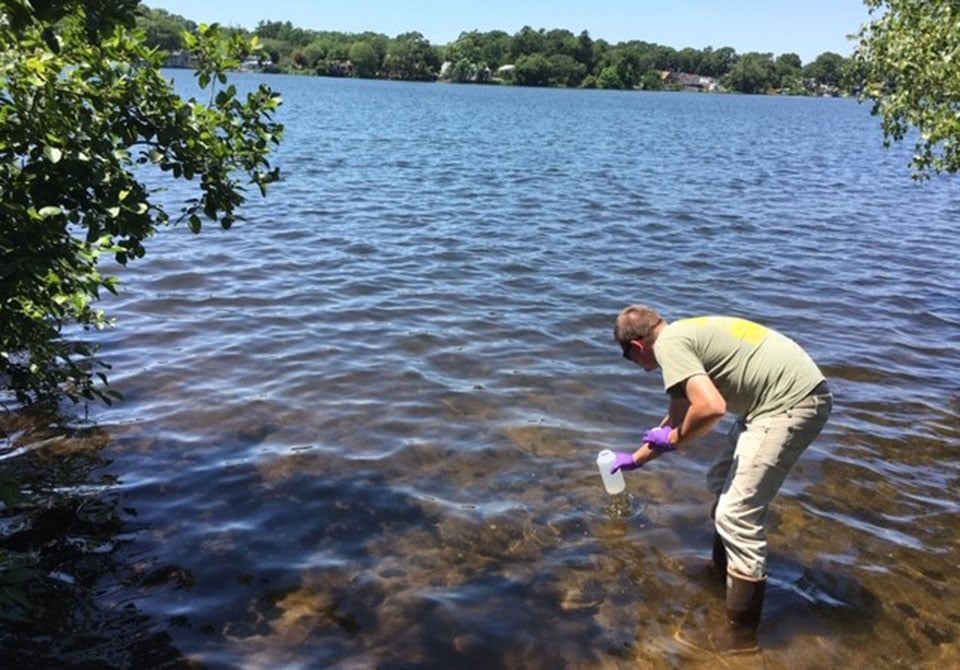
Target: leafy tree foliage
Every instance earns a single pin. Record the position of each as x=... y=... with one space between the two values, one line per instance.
x=163 y=29
x=527 y=42
x=277 y=50
x=463 y=71
x=283 y=31
x=411 y=57
x=652 y=81
x=585 y=53
x=559 y=42
x=83 y=104
x=788 y=70
x=366 y=61
x=467 y=47
x=830 y=69
x=717 y=63
x=555 y=70
x=753 y=73
x=609 y=78
x=533 y=70
x=480 y=50
x=630 y=65
x=789 y=61
x=909 y=60
x=691 y=60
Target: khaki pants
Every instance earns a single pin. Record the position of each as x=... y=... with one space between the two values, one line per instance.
x=750 y=471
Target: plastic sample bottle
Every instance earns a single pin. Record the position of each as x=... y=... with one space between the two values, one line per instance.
x=612 y=483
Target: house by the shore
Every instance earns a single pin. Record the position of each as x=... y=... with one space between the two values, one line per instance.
x=689 y=82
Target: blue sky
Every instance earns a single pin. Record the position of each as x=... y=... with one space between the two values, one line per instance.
x=806 y=28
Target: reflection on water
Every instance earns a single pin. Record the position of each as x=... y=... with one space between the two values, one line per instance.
x=64 y=580
x=360 y=429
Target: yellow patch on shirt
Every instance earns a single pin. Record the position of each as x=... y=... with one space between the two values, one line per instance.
x=747 y=331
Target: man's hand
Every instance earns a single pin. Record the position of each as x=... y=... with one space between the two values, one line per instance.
x=659 y=438
x=624 y=462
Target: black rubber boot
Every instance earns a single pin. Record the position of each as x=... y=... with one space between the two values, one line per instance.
x=744 y=606
x=738 y=635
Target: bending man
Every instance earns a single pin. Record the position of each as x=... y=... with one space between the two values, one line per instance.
x=713 y=365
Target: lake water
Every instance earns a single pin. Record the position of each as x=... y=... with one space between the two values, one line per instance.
x=360 y=428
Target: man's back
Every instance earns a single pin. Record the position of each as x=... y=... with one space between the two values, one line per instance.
x=758 y=370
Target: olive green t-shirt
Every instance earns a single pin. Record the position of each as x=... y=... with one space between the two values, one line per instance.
x=758 y=371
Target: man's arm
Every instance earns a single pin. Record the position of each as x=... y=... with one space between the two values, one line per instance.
x=691 y=417
x=706 y=408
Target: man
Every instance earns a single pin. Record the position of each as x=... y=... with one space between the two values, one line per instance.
x=713 y=365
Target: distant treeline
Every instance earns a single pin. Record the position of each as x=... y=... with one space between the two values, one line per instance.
x=528 y=58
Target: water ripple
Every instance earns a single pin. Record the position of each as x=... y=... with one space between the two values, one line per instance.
x=365 y=419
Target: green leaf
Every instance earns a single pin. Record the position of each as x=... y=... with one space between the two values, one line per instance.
x=85 y=112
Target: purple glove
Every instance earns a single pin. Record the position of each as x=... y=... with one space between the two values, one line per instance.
x=659 y=438
x=624 y=462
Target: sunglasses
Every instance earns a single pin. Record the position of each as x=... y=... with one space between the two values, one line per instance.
x=642 y=347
